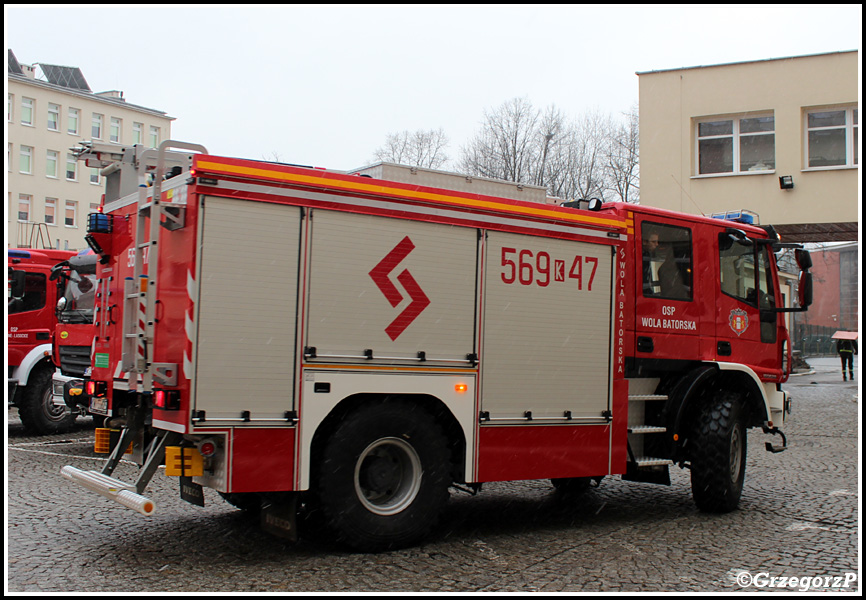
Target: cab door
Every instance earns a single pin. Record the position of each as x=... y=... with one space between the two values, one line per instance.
x=668 y=313
x=746 y=324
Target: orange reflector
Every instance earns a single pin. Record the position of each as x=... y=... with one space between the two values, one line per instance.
x=101 y=440
x=183 y=461
x=460 y=388
x=102 y=443
x=676 y=437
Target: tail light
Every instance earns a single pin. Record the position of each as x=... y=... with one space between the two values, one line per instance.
x=207 y=447
x=96 y=389
x=166 y=399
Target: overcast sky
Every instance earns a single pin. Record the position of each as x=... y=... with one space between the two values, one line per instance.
x=324 y=85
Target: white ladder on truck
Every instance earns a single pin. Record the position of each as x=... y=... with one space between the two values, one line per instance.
x=140 y=292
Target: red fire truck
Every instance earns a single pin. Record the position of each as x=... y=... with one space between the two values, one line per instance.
x=51 y=295
x=31 y=309
x=302 y=340
x=73 y=334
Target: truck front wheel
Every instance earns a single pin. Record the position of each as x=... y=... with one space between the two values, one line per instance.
x=382 y=477
x=718 y=455
x=37 y=410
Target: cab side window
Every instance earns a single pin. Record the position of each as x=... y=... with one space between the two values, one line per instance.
x=33 y=297
x=667 y=261
x=746 y=275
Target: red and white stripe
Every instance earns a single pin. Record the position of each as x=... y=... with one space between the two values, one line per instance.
x=189 y=324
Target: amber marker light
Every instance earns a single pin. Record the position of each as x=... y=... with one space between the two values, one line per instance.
x=461 y=388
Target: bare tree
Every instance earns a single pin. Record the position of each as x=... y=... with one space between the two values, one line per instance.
x=507 y=144
x=622 y=158
x=421 y=148
x=571 y=158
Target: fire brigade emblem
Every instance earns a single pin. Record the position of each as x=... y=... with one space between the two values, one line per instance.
x=419 y=300
x=739 y=321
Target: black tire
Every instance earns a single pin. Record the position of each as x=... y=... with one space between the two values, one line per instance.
x=718 y=453
x=38 y=413
x=572 y=485
x=382 y=477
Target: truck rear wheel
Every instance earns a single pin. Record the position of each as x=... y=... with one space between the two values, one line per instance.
x=382 y=477
x=37 y=409
x=719 y=453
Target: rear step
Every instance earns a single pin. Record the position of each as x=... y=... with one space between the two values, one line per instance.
x=648 y=397
x=647 y=429
x=646 y=461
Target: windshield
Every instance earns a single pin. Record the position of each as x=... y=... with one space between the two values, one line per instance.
x=79 y=297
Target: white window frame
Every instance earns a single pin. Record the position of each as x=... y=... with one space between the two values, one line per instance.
x=28 y=107
x=736 y=136
x=73 y=116
x=51 y=157
x=53 y=111
x=25 y=153
x=137 y=132
x=850 y=127
x=51 y=219
x=96 y=125
x=71 y=160
x=94 y=175
x=73 y=205
x=114 y=131
x=153 y=134
x=27 y=200
x=10 y=107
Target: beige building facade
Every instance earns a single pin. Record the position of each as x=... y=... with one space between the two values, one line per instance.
x=776 y=137
x=49 y=110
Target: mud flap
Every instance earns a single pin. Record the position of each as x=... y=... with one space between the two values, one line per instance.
x=191 y=491
x=281 y=519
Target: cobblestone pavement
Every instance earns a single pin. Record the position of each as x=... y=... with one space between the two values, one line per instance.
x=798 y=518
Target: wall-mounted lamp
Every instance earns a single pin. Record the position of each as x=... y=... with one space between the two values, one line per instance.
x=786 y=182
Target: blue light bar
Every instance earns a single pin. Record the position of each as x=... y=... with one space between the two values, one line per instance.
x=739 y=216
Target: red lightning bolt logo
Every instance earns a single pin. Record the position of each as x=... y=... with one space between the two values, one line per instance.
x=380 y=274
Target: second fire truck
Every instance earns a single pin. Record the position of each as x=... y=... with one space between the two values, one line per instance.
x=308 y=341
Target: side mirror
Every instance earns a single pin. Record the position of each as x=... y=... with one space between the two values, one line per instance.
x=804 y=259
x=804 y=289
x=16 y=283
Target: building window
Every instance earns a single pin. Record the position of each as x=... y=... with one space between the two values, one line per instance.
x=71 y=213
x=71 y=168
x=72 y=121
x=10 y=103
x=25 y=165
x=51 y=164
x=137 y=129
x=154 y=136
x=54 y=117
x=24 y=207
x=50 y=211
x=743 y=144
x=27 y=111
x=831 y=138
x=94 y=176
x=96 y=127
x=114 y=133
